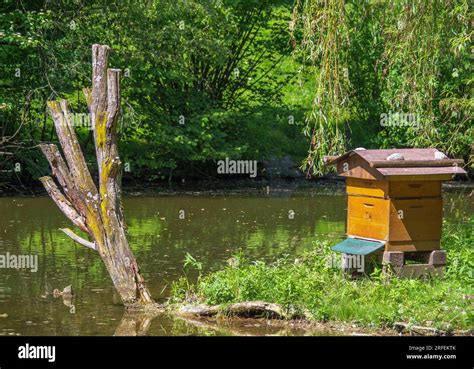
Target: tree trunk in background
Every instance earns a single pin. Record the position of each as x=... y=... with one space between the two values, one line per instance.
x=98 y=212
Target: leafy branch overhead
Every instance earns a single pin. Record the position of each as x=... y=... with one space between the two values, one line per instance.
x=386 y=57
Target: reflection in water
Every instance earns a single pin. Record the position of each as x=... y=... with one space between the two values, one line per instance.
x=134 y=325
x=139 y=325
x=213 y=229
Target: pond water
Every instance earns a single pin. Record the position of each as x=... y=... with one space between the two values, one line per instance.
x=213 y=229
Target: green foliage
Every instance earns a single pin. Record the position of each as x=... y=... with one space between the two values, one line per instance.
x=199 y=79
x=204 y=80
x=386 y=57
x=426 y=63
x=309 y=284
x=325 y=44
x=459 y=240
x=190 y=261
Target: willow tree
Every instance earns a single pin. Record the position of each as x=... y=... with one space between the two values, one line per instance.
x=426 y=58
x=325 y=44
x=409 y=57
x=96 y=210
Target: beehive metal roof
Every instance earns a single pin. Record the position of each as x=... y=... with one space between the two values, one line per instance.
x=415 y=162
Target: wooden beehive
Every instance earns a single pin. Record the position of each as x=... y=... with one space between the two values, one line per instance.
x=394 y=196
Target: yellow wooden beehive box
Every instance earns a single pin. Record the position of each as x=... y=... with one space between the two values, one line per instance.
x=394 y=196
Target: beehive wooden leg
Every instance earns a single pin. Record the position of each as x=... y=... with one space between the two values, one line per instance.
x=392 y=262
x=437 y=258
x=432 y=263
x=394 y=258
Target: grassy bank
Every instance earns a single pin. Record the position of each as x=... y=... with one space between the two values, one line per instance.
x=310 y=286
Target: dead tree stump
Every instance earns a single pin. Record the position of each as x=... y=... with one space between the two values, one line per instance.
x=96 y=211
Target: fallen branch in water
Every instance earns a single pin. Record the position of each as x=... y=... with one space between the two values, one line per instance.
x=248 y=309
x=242 y=319
x=422 y=331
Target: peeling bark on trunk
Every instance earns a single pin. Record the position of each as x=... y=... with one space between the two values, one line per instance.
x=96 y=211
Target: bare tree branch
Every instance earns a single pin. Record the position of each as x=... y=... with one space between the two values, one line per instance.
x=70 y=145
x=78 y=239
x=63 y=204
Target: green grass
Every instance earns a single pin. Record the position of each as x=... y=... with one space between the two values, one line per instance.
x=309 y=285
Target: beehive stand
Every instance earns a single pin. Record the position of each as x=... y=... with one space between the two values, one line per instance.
x=394 y=198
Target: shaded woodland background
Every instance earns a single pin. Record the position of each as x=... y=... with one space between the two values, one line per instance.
x=205 y=80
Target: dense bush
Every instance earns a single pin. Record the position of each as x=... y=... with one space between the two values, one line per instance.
x=201 y=81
